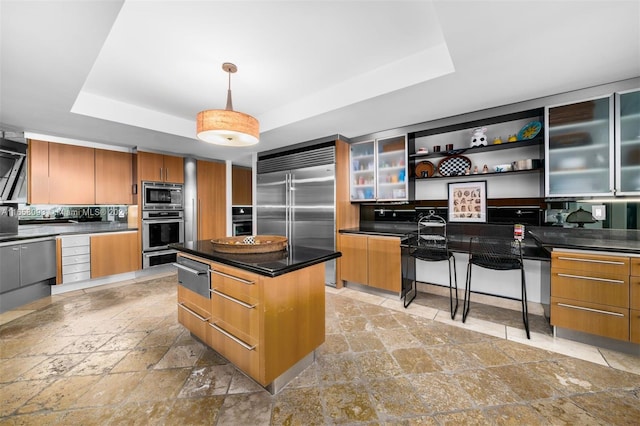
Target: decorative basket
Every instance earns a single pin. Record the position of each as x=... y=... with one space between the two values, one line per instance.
x=261 y=244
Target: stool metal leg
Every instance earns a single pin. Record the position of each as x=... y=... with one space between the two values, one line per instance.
x=467 y=294
x=525 y=307
x=453 y=310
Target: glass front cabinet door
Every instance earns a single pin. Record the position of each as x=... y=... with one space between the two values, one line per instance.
x=363 y=171
x=379 y=170
x=628 y=143
x=580 y=148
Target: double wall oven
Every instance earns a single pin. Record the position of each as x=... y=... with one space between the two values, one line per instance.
x=162 y=222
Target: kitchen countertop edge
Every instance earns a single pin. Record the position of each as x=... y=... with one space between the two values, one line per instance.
x=324 y=255
x=60 y=230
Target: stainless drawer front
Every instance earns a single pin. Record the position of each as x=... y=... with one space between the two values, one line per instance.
x=194 y=276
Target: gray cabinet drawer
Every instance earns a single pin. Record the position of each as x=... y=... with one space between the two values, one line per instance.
x=9 y=268
x=37 y=261
x=77 y=240
x=78 y=276
x=72 y=260
x=79 y=267
x=71 y=251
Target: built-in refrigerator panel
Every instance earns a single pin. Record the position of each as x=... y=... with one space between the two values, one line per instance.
x=299 y=203
x=271 y=199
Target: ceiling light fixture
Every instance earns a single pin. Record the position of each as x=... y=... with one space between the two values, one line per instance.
x=226 y=126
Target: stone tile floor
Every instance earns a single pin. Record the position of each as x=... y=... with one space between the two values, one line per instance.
x=116 y=355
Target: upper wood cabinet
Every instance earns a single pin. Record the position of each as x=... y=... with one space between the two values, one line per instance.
x=38 y=168
x=211 y=206
x=160 y=167
x=113 y=171
x=241 y=186
x=71 y=174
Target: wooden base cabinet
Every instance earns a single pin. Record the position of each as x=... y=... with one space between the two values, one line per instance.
x=262 y=325
x=634 y=312
x=371 y=260
x=114 y=253
x=591 y=293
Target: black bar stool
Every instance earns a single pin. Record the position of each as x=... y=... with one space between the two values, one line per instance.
x=432 y=246
x=498 y=254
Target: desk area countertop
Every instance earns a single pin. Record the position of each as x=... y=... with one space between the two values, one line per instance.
x=457 y=234
x=26 y=232
x=613 y=240
x=267 y=264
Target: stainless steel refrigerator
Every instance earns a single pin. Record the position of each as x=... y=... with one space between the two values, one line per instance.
x=299 y=204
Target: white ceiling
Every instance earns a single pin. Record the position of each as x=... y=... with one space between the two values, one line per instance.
x=136 y=72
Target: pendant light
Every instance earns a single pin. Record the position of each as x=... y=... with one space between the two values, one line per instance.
x=226 y=126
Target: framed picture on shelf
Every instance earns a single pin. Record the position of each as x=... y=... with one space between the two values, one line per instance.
x=468 y=201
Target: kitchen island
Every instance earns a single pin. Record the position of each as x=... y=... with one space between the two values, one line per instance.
x=264 y=312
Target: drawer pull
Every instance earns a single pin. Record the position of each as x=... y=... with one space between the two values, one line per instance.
x=232 y=337
x=233 y=299
x=580 y=277
x=200 y=317
x=582 y=308
x=190 y=270
x=606 y=262
x=232 y=277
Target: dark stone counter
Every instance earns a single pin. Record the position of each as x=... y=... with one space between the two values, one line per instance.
x=268 y=264
x=51 y=230
x=458 y=235
x=613 y=240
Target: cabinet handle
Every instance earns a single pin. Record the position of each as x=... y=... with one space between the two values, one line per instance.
x=232 y=337
x=580 y=277
x=582 y=308
x=190 y=270
x=199 y=220
x=232 y=277
x=233 y=299
x=200 y=317
x=160 y=173
x=15 y=248
x=606 y=262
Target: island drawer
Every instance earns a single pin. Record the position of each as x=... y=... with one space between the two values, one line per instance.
x=194 y=301
x=194 y=322
x=608 y=321
x=242 y=316
x=240 y=285
x=243 y=353
x=603 y=288
x=590 y=263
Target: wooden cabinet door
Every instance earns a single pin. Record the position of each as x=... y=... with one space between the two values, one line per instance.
x=173 y=169
x=114 y=253
x=353 y=263
x=241 y=186
x=113 y=177
x=384 y=263
x=150 y=166
x=71 y=174
x=211 y=206
x=38 y=169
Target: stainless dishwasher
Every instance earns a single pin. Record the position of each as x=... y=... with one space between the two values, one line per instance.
x=194 y=276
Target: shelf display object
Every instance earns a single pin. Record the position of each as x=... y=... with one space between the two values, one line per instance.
x=479 y=149
x=628 y=143
x=379 y=170
x=579 y=148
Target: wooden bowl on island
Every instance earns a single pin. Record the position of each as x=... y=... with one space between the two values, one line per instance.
x=260 y=244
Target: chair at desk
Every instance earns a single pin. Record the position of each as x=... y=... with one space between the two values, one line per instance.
x=498 y=254
x=432 y=246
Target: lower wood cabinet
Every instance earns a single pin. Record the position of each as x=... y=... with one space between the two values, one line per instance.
x=114 y=253
x=263 y=325
x=634 y=312
x=594 y=293
x=371 y=260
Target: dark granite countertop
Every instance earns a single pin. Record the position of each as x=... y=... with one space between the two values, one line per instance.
x=538 y=245
x=51 y=230
x=613 y=240
x=268 y=264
